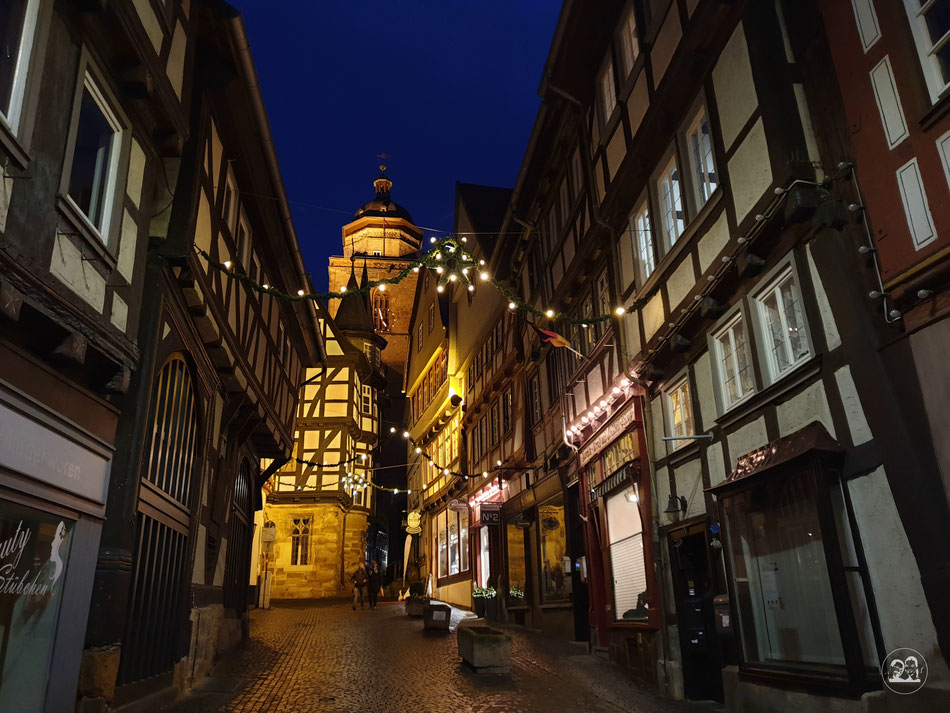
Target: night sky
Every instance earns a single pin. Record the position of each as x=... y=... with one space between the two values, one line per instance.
x=446 y=88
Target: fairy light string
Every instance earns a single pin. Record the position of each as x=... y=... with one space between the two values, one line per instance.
x=453 y=263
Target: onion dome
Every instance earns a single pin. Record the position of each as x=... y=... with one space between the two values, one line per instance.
x=382 y=206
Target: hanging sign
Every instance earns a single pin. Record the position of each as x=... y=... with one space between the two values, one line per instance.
x=457 y=506
x=611 y=431
x=413 y=523
x=489 y=517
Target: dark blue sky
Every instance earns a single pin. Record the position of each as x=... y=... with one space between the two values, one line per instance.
x=447 y=88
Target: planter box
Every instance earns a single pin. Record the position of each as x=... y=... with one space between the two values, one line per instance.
x=437 y=617
x=485 y=650
x=480 y=607
x=415 y=607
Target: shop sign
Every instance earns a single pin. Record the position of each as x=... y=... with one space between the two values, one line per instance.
x=610 y=432
x=492 y=505
x=457 y=506
x=413 y=523
x=32 y=449
x=489 y=517
x=34 y=552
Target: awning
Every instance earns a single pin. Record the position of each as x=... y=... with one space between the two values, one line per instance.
x=813 y=439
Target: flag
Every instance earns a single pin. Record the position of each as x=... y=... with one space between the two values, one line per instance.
x=554 y=339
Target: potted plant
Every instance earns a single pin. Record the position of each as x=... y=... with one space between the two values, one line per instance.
x=480 y=595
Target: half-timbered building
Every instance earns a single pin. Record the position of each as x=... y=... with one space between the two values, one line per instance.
x=215 y=392
x=94 y=100
x=321 y=501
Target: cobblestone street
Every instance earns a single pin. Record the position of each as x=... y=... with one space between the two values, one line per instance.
x=325 y=657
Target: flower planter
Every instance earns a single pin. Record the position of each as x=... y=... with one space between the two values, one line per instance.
x=437 y=617
x=480 y=607
x=416 y=606
x=491 y=608
x=485 y=650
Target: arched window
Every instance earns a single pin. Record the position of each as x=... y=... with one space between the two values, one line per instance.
x=382 y=317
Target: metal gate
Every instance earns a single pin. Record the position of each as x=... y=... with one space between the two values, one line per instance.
x=157 y=596
x=236 y=574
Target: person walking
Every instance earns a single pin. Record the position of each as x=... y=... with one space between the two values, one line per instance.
x=359 y=582
x=374 y=582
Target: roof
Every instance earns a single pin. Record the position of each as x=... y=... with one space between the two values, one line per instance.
x=382 y=206
x=353 y=314
x=486 y=207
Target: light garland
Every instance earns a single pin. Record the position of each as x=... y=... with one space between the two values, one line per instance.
x=453 y=263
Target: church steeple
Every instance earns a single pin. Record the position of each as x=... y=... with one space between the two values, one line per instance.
x=382 y=185
x=353 y=314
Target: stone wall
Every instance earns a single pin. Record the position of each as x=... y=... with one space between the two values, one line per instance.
x=321 y=576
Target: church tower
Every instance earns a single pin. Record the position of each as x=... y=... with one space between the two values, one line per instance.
x=382 y=233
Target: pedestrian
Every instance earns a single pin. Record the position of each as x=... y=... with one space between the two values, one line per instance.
x=359 y=582
x=375 y=582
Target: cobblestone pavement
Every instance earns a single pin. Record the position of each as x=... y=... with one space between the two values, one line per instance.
x=324 y=657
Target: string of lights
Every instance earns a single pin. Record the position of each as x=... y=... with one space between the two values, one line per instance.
x=452 y=262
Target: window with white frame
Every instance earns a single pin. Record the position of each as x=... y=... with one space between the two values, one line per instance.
x=629 y=41
x=670 y=198
x=701 y=161
x=930 y=23
x=300 y=540
x=17 y=28
x=608 y=91
x=679 y=410
x=782 y=323
x=643 y=245
x=733 y=363
x=94 y=168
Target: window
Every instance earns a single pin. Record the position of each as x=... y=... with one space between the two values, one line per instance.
x=420 y=337
x=679 y=410
x=534 y=401
x=736 y=379
x=629 y=42
x=382 y=317
x=643 y=245
x=702 y=165
x=608 y=91
x=431 y=318
x=377 y=253
x=453 y=542
x=517 y=567
x=443 y=546
x=565 y=201
x=94 y=169
x=669 y=195
x=243 y=238
x=17 y=25
x=930 y=23
x=627 y=560
x=577 y=179
x=494 y=416
x=780 y=575
x=603 y=303
x=782 y=324
x=555 y=583
x=300 y=540
x=506 y=410
x=229 y=209
x=367 y=392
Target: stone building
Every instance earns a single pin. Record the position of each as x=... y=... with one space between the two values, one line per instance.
x=322 y=511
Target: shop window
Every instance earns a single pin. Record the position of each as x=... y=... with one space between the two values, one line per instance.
x=701 y=161
x=484 y=556
x=733 y=363
x=670 y=197
x=35 y=553
x=555 y=584
x=300 y=540
x=930 y=24
x=627 y=559
x=679 y=410
x=453 y=533
x=783 y=594
x=782 y=324
x=17 y=28
x=620 y=452
x=517 y=567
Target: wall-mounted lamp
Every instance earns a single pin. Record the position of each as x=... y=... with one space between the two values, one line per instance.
x=676 y=505
x=865 y=249
x=924 y=294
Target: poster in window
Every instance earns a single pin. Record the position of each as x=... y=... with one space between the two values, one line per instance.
x=34 y=550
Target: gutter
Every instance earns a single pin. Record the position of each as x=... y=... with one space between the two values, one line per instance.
x=242 y=50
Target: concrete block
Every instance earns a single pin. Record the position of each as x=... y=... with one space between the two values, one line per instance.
x=485 y=650
x=437 y=617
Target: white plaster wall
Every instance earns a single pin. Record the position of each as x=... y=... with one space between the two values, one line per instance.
x=680 y=282
x=735 y=89
x=638 y=103
x=631 y=335
x=150 y=22
x=653 y=316
x=689 y=484
x=127 y=239
x=662 y=488
x=219 y=567
x=616 y=150
x=832 y=338
x=203 y=225
x=715 y=463
x=705 y=393
x=175 y=69
x=6 y=192
x=803 y=408
x=713 y=242
x=747 y=439
x=77 y=274
x=665 y=44
x=750 y=170
x=136 y=177
x=198 y=572
x=120 y=312
x=930 y=347
x=901 y=605
x=853 y=411
x=659 y=428
x=627 y=271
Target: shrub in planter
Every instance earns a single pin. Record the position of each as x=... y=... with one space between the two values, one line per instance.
x=480 y=595
x=416 y=606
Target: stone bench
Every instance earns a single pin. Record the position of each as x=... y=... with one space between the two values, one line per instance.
x=437 y=617
x=485 y=650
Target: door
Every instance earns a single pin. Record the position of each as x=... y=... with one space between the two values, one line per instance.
x=580 y=596
x=693 y=590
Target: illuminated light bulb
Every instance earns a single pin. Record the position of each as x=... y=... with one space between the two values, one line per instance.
x=585 y=325
x=405 y=434
x=415 y=269
x=392 y=429
x=625 y=382
x=596 y=409
x=512 y=305
x=498 y=462
x=300 y=293
x=464 y=240
x=445 y=471
x=409 y=492
x=382 y=288
x=265 y=286
x=438 y=256
x=481 y=262
x=620 y=310
x=466 y=477
x=342 y=288
x=227 y=264
x=603 y=404
x=439 y=270
x=484 y=474
x=471 y=288
x=616 y=389
x=549 y=313
x=418 y=450
x=464 y=270
x=440 y=288
x=484 y=276
x=584 y=419
x=590 y=415
x=453 y=277
x=432 y=240
x=396 y=491
x=362 y=456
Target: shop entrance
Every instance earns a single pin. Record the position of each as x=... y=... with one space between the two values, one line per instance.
x=580 y=596
x=693 y=590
